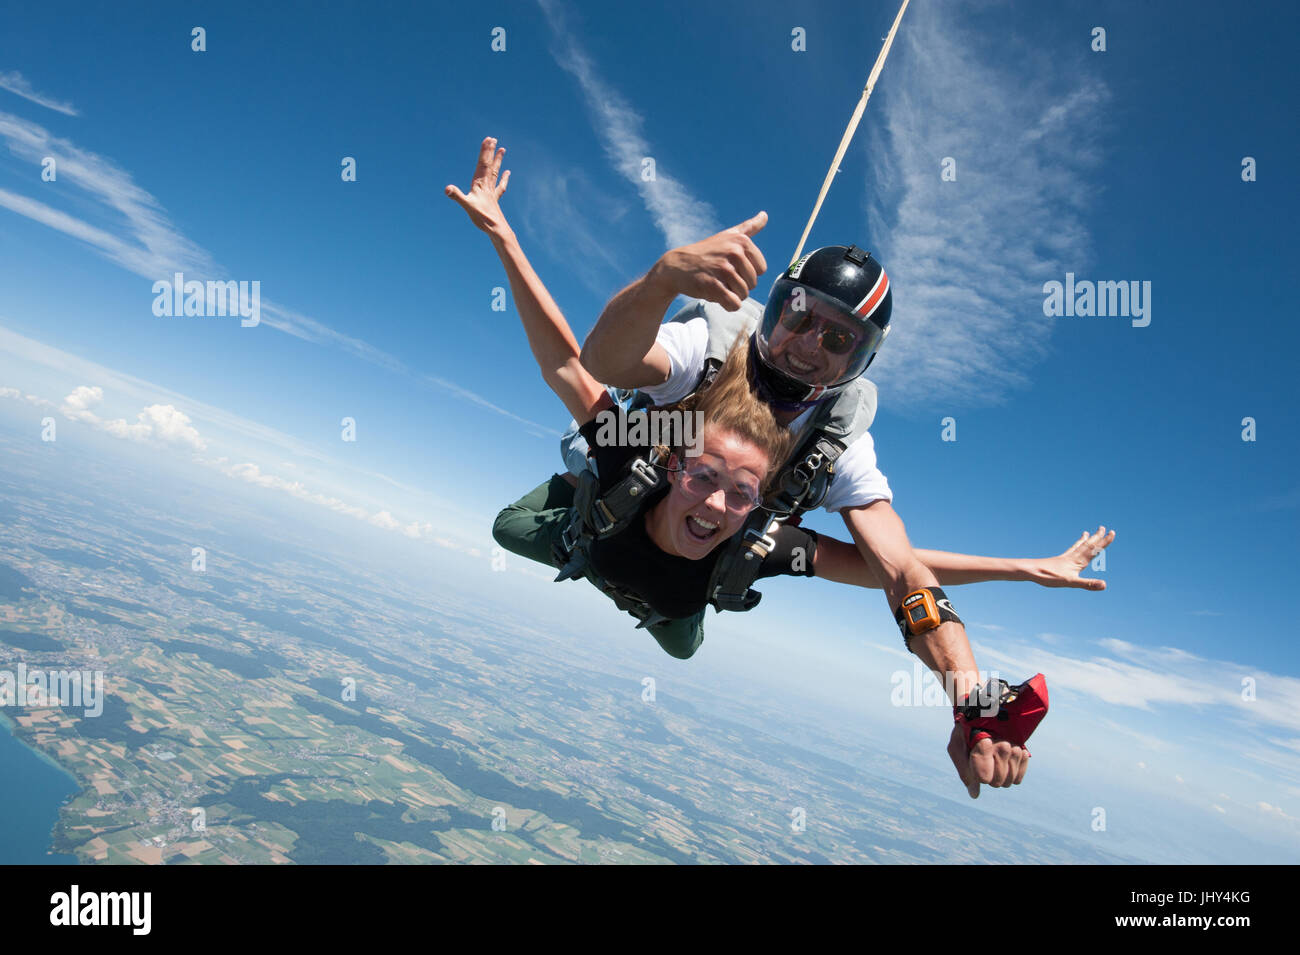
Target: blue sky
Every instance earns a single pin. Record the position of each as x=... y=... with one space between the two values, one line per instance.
x=1115 y=165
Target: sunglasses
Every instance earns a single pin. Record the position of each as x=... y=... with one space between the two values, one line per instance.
x=702 y=481
x=833 y=338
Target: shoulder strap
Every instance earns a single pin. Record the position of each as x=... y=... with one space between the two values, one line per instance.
x=800 y=487
x=595 y=516
x=607 y=514
x=805 y=479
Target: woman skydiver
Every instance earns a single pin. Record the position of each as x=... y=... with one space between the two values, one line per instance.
x=657 y=558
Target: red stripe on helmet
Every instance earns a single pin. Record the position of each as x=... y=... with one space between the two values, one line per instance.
x=877 y=294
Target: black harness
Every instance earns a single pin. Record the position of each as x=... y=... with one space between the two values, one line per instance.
x=800 y=486
x=595 y=516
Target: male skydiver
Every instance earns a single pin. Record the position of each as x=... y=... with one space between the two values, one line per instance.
x=824 y=320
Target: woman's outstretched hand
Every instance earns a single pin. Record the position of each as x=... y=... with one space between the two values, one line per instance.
x=482 y=203
x=1063 y=571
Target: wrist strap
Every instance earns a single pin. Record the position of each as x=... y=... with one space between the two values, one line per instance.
x=1004 y=712
x=921 y=611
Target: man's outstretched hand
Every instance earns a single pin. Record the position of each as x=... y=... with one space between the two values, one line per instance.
x=482 y=203
x=1063 y=570
x=723 y=268
x=990 y=762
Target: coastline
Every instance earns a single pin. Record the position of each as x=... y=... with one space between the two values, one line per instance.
x=70 y=782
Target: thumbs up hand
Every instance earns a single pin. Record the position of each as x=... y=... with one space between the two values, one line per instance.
x=723 y=268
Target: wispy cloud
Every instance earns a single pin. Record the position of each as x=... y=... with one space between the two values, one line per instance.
x=557 y=207
x=678 y=215
x=251 y=473
x=138 y=236
x=17 y=84
x=968 y=258
x=537 y=430
x=17 y=395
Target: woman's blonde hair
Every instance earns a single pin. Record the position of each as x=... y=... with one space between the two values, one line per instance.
x=729 y=404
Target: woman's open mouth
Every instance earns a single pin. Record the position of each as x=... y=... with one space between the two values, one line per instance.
x=699 y=529
x=798 y=365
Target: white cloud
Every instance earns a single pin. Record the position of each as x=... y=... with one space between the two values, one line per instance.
x=139 y=237
x=383 y=519
x=78 y=404
x=1274 y=811
x=162 y=423
x=17 y=84
x=968 y=258
x=17 y=395
x=168 y=424
x=252 y=474
x=679 y=216
x=1151 y=678
x=239 y=438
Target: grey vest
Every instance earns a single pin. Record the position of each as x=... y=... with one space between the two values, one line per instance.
x=845 y=417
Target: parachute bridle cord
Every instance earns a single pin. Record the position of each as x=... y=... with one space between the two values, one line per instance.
x=852 y=128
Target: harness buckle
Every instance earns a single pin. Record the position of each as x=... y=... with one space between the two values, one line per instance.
x=760 y=544
x=644 y=471
x=568 y=539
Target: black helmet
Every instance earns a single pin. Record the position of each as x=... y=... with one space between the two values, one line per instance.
x=825 y=318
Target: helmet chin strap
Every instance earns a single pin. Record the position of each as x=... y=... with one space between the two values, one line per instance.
x=759 y=371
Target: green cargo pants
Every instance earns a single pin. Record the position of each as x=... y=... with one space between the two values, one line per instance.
x=532 y=525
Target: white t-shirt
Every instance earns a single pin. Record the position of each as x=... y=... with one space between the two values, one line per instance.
x=857 y=480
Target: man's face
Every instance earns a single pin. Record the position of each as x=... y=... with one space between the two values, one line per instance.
x=815 y=344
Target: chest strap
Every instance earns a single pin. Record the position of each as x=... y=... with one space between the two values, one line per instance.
x=739 y=563
x=803 y=483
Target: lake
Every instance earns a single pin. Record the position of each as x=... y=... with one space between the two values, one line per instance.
x=33 y=790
